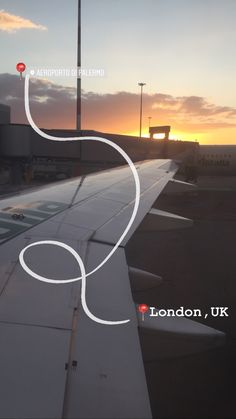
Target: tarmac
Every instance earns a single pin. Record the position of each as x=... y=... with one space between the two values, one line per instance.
x=198 y=266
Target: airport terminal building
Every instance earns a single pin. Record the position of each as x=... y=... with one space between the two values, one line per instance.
x=25 y=155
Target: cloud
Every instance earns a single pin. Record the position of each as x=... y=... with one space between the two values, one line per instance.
x=196 y=105
x=54 y=106
x=12 y=23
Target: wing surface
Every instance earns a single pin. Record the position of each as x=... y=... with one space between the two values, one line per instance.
x=54 y=361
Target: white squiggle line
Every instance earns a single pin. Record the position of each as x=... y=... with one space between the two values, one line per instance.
x=102 y=140
x=83 y=277
x=72 y=251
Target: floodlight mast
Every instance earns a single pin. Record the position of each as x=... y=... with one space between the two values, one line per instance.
x=78 y=105
x=141 y=108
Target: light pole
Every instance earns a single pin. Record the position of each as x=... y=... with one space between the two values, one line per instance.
x=149 y=122
x=141 y=108
x=78 y=104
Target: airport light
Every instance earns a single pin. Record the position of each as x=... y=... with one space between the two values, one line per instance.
x=78 y=103
x=141 y=108
x=149 y=122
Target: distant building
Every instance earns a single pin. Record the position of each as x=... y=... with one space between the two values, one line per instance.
x=21 y=145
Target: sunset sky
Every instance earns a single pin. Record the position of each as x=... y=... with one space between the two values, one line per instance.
x=183 y=49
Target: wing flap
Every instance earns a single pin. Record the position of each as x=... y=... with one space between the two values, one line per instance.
x=109 y=380
x=170 y=337
x=33 y=375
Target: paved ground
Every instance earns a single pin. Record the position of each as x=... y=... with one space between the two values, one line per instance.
x=199 y=268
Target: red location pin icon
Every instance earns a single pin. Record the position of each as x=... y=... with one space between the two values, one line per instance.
x=20 y=67
x=143 y=308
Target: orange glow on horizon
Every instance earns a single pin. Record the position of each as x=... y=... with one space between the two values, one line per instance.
x=221 y=136
x=210 y=136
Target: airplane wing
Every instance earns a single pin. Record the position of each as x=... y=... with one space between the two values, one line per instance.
x=55 y=361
